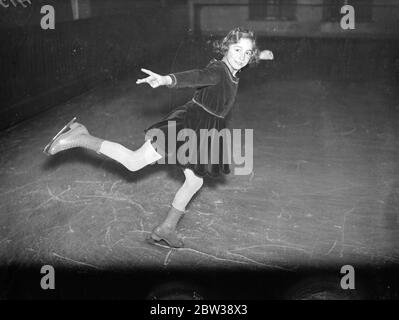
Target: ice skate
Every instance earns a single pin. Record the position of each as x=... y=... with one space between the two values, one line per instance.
x=170 y=238
x=67 y=138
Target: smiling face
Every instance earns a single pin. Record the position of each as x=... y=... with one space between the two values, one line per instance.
x=239 y=54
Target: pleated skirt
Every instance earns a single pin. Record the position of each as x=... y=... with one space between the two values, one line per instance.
x=191 y=137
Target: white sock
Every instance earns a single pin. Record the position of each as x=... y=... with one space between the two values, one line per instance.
x=132 y=160
x=189 y=188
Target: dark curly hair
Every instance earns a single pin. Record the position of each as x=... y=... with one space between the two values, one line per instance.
x=222 y=46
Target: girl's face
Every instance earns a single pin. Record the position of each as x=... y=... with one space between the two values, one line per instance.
x=239 y=54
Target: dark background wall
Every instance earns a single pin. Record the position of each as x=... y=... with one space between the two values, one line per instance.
x=336 y=59
x=42 y=68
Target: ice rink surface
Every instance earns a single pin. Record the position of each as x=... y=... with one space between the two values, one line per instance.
x=324 y=191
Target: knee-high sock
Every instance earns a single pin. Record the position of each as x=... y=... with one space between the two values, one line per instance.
x=190 y=186
x=132 y=160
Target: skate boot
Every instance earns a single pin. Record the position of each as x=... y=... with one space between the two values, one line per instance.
x=169 y=237
x=166 y=232
x=72 y=135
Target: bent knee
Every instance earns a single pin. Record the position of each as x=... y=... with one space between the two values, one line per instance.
x=133 y=165
x=192 y=180
x=195 y=183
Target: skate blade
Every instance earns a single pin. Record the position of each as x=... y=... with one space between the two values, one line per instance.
x=63 y=130
x=151 y=240
x=159 y=243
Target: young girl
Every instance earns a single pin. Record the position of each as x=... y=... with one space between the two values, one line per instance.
x=216 y=87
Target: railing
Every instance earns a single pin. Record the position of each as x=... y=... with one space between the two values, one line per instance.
x=35 y=63
x=285 y=10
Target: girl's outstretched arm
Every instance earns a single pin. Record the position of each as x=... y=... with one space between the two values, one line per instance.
x=187 y=79
x=196 y=78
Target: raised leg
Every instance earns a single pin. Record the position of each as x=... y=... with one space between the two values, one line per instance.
x=75 y=135
x=132 y=160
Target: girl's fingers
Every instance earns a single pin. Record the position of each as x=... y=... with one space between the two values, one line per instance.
x=149 y=72
x=150 y=80
x=141 y=81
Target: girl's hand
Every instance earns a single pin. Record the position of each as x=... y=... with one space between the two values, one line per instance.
x=266 y=55
x=154 y=80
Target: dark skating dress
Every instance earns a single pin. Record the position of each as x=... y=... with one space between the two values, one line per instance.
x=208 y=152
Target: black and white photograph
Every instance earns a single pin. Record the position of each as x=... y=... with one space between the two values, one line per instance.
x=216 y=151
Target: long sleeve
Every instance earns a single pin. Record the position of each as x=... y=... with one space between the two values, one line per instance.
x=196 y=78
x=216 y=87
